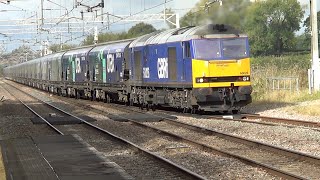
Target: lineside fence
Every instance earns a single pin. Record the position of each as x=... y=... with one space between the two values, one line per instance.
x=283 y=83
x=271 y=79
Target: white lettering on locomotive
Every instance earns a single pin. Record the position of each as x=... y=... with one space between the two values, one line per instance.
x=146 y=72
x=118 y=55
x=110 y=63
x=163 y=68
x=78 y=66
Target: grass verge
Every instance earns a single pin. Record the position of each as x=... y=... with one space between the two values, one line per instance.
x=300 y=103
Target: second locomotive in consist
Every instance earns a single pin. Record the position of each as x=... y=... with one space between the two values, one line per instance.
x=192 y=68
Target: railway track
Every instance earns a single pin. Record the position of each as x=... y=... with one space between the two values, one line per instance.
x=180 y=170
x=256 y=119
x=278 y=161
x=206 y=164
x=245 y=117
x=294 y=122
x=268 y=121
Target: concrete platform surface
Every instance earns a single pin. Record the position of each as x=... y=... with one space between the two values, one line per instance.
x=55 y=157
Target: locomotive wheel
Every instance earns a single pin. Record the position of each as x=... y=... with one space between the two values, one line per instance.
x=148 y=107
x=78 y=95
x=93 y=96
x=201 y=112
x=153 y=107
x=105 y=99
x=185 y=110
x=193 y=111
x=108 y=99
x=235 y=111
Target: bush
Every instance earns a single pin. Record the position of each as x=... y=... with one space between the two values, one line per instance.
x=282 y=66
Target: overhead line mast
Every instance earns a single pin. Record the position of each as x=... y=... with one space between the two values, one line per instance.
x=41 y=24
x=315 y=75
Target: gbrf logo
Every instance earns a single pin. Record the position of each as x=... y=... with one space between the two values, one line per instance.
x=163 y=68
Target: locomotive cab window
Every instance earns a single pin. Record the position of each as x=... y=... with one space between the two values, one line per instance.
x=235 y=48
x=207 y=49
x=187 y=50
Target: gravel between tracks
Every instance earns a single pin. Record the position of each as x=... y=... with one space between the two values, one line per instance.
x=280 y=111
x=212 y=166
x=306 y=169
x=15 y=119
x=299 y=139
x=218 y=167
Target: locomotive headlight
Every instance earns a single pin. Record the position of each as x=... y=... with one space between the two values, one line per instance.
x=199 y=80
x=245 y=78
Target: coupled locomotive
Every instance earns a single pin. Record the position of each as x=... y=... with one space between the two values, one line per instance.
x=192 y=68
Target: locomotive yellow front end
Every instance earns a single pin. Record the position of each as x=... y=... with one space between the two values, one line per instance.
x=221 y=73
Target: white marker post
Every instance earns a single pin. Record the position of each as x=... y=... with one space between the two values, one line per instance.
x=95 y=36
x=314 y=45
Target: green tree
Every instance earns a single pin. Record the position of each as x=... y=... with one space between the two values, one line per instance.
x=191 y=19
x=232 y=12
x=307 y=35
x=307 y=23
x=271 y=25
x=135 y=31
x=140 y=29
x=88 y=40
x=56 y=47
x=18 y=55
x=303 y=42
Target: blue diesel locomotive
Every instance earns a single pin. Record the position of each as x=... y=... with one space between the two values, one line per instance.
x=192 y=68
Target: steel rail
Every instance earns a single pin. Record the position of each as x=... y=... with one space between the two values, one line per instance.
x=295 y=122
x=34 y=112
x=238 y=139
x=153 y=155
x=268 y=168
x=269 y=121
x=193 y=174
x=269 y=147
